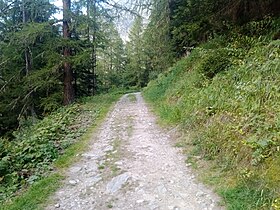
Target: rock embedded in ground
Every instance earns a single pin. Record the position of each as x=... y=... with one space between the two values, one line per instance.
x=75 y=169
x=117 y=182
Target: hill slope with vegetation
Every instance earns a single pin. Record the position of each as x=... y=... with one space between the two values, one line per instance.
x=222 y=91
x=227 y=99
x=39 y=152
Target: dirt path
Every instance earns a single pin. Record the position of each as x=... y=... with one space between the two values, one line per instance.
x=132 y=164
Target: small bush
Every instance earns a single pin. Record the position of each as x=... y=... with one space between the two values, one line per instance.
x=214 y=62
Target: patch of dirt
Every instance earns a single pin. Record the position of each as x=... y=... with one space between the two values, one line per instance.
x=132 y=164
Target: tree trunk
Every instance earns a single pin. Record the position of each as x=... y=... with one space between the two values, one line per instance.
x=93 y=56
x=91 y=38
x=30 y=109
x=88 y=20
x=27 y=53
x=69 y=93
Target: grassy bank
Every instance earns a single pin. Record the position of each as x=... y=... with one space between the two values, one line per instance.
x=32 y=164
x=226 y=98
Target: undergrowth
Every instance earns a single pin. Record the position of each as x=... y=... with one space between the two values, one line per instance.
x=228 y=99
x=46 y=146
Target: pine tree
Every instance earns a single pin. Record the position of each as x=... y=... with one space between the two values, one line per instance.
x=157 y=38
x=111 y=57
x=69 y=94
x=26 y=67
x=136 y=74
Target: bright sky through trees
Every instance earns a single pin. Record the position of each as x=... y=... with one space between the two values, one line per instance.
x=123 y=23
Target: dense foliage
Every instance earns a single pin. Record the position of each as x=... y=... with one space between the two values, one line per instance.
x=230 y=107
x=176 y=27
x=34 y=55
x=42 y=58
x=224 y=92
x=36 y=146
x=196 y=21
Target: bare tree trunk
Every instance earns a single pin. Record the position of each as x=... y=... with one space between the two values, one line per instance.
x=28 y=61
x=69 y=93
x=28 y=66
x=91 y=38
x=88 y=20
x=93 y=56
x=27 y=54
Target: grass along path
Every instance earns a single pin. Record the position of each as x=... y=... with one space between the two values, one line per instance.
x=92 y=112
x=227 y=102
x=131 y=163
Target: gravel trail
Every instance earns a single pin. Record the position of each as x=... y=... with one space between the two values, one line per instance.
x=131 y=164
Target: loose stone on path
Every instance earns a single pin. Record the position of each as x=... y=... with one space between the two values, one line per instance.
x=117 y=182
x=131 y=165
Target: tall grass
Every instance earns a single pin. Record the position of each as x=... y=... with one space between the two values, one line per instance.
x=228 y=99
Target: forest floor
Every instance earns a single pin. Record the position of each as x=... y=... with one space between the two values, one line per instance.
x=131 y=163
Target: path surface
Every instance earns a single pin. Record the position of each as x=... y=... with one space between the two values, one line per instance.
x=132 y=164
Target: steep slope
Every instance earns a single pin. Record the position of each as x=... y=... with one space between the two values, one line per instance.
x=227 y=100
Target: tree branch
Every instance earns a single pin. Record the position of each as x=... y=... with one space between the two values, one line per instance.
x=119 y=7
x=3 y=10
